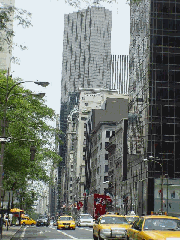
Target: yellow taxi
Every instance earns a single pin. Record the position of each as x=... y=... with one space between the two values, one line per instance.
x=66 y=222
x=155 y=227
x=110 y=226
x=25 y=220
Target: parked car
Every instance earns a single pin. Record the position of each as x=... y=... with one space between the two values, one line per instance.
x=84 y=220
x=155 y=227
x=110 y=226
x=66 y=222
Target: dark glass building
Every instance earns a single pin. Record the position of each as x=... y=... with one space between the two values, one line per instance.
x=154 y=108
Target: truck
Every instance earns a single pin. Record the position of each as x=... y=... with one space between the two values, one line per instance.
x=97 y=204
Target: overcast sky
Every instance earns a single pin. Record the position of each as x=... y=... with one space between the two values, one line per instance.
x=43 y=59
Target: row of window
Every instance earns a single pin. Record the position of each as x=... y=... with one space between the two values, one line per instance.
x=165 y=24
x=106 y=157
x=166 y=7
x=166 y=41
x=108 y=134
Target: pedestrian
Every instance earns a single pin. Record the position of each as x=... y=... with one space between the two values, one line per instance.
x=6 y=219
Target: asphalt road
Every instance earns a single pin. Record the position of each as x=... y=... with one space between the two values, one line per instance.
x=51 y=232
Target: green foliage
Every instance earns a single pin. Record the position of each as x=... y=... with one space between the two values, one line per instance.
x=33 y=214
x=8 y=13
x=26 y=118
x=77 y=3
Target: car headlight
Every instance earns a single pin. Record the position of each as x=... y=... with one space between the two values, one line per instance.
x=105 y=233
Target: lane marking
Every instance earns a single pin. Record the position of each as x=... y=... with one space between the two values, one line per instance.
x=86 y=229
x=67 y=234
x=23 y=233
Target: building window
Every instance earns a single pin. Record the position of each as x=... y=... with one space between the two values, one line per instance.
x=106 y=156
x=100 y=146
x=107 y=134
x=70 y=178
x=71 y=185
x=86 y=104
x=106 y=144
x=106 y=168
x=113 y=133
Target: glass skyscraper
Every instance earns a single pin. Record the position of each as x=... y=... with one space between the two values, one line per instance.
x=154 y=108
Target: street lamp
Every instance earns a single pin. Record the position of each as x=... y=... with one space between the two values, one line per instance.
x=3 y=138
x=151 y=158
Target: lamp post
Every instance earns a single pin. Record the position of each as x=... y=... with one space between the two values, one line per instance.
x=151 y=159
x=3 y=138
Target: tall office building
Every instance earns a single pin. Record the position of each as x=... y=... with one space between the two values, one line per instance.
x=120 y=73
x=154 y=109
x=86 y=50
x=86 y=60
x=86 y=57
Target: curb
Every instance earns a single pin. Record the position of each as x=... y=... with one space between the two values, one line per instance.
x=16 y=232
x=6 y=235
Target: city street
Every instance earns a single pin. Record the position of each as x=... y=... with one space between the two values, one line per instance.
x=51 y=232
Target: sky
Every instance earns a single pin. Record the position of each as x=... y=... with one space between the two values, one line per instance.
x=42 y=60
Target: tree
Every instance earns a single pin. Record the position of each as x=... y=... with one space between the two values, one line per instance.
x=77 y=3
x=26 y=116
x=9 y=13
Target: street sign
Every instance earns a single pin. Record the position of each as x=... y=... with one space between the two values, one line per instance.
x=4 y=139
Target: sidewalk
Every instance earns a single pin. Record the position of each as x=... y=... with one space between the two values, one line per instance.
x=10 y=233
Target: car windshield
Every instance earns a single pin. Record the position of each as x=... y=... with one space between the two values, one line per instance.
x=131 y=219
x=65 y=218
x=113 y=220
x=85 y=217
x=162 y=224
